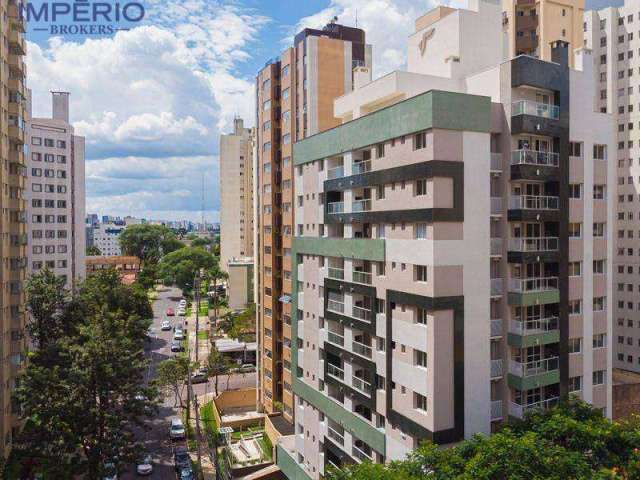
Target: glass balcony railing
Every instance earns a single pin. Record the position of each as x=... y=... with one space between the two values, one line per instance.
x=335 y=436
x=336 y=273
x=534 y=202
x=536 y=284
x=361 y=385
x=335 y=207
x=534 y=244
x=335 y=338
x=361 y=205
x=533 y=157
x=543 y=110
x=335 y=172
x=496 y=409
x=496 y=368
x=496 y=286
x=496 y=162
x=361 y=349
x=362 y=277
x=519 y=411
x=334 y=371
x=361 y=167
x=533 y=326
x=361 y=313
x=535 y=367
x=361 y=455
x=335 y=306
x=496 y=327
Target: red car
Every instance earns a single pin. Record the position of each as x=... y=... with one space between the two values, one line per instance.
x=170 y=312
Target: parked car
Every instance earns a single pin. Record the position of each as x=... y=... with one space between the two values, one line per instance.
x=110 y=471
x=181 y=459
x=166 y=325
x=187 y=474
x=170 y=312
x=176 y=346
x=145 y=467
x=247 y=368
x=178 y=334
x=199 y=376
x=182 y=303
x=176 y=430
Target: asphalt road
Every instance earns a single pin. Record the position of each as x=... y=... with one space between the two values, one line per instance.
x=156 y=437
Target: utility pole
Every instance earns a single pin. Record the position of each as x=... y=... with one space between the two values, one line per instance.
x=191 y=395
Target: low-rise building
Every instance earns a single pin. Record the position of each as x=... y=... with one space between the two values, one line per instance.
x=127 y=266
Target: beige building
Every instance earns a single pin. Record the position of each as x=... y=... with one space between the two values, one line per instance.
x=13 y=219
x=56 y=194
x=452 y=254
x=240 y=283
x=236 y=194
x=531 y=25
x=295 y=94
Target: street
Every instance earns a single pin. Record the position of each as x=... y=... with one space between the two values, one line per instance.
x=156 y=438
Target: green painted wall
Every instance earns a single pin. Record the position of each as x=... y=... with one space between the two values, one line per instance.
x=542 y=380
x=523 y=341
x=289 y=466
x=433 y=109
x=357 y=248
x=534 y=298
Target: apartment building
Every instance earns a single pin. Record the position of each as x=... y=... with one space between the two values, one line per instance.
x=13 y=238
x=56 y=194
x=106 y=236
x=614 y=36
x=295 y=93
x=452 y=249
x=236 y=193
x=532 y=25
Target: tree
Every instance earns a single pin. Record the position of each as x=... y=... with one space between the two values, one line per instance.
x=47 y=297
x=83 y=393
x=218 y=365
x=172 y=375
x=201 y=242
x=148 y=242
x=215 y=275
x=180 y=267
x=93 y=250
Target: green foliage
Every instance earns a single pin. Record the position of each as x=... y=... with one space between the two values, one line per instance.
x=201 y=242
x=218 y=365
x=572 y=441
x=93 y=250
x=47 y=297
x=180 y=267
x=148 y=242
x=83 y=393
x=241 y=326
x=171 y=376
x=210 y=425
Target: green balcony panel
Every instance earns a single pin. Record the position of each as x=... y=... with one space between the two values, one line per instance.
x=357 y=248
x=289 y=466
x=534 y=298
x=432 y=109
x=534 y=381
x=523 y=341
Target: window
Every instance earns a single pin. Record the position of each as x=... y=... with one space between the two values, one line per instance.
x=380 y=150
x=575 y=269
x=36 y=172
x=36 y=187
x=600 y=152
x=575 y=307
x=599 y=377
x=36 y=141
x=420 y=273
x=420 y=358
x=599 y=304
x=575 y=230
x=598 y=229
x=286 y=139
x=598 y=192
x=421 y=316
x=421 y=231
x=575 y=149
x=61 y=144
x=419 y=402
x=575 y=345
x=285 y=93
x=419 y=140
x=421 y=187
x=48 y=142
x=599 y=341
x=575 y=384
x=598 y=266
x=380 y=192
x=266 y=105
x=62 y=158
x=575 y=190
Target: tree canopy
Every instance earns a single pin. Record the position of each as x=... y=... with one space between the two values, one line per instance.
x=148 y=242
x=572 y=441
x=93 y=250
x=180 y=267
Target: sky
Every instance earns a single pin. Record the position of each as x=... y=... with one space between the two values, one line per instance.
x=153 y=98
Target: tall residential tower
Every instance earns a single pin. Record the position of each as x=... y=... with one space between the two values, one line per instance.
x=295 y=94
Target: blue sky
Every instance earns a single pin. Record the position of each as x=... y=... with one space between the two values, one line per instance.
x=152 y=101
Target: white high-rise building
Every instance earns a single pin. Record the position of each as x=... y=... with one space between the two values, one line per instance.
x=56 y=194
x=106 y=238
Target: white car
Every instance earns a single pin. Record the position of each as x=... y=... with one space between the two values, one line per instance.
x=166 y=325
x=181 y=312
x=176 y=430
x=182 y=304
x=144 y=467
x=178 y=334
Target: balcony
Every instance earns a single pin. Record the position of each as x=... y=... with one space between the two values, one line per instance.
x=496 y=206
x=361 y=205
x=335 y=172
x=496 y=327
x=496 y=247
x=335 y=306
x=534 y=284
x=496 y=287
x=362 y=277
x=362 y=349
x=360 y=313
x=496 y=410
x=335 y=436
x=361 y=167
x=496 y=368
x=533 y=157
x=527 y=333
x=536 y=109
x=336 y=273
x=361 y=385
x=335 y=207
x=335 y=372
x=533 y=374
x=335 y=338
x=496 y=162
x=533 y=244
x=361 y=455
x=17 y=43
x=519 y=411
x=533 y=202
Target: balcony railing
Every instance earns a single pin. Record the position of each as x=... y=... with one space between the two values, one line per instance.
x=361 y=205
x=361 y=349
x=335 y=338
x=496 y=409
x=533 y=326
x=496 y=246
x=535 y=367
x=337 y=273
x=361 y=385
x=361 y=313
x=496 y=327
x=335 y=435
x=533 y=244
x=362 y=277
x=496 y=368
x=519 y=410
x=528 y=107
x=496 y=162
x=335 y=306
x=361 y=167
x=496 y=286
x=496 y=205
x=534 y=202
x=537 y=284
x=335 y=172
x=334 y=371
x=534 y=157
x=361 y=455
x=335 y=207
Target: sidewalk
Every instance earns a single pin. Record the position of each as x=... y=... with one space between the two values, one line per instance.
x=204 y=344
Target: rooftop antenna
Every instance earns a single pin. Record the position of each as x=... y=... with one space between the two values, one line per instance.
x=203 y=226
